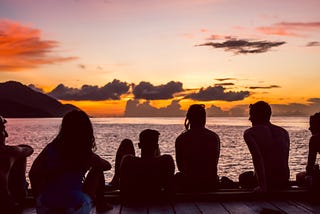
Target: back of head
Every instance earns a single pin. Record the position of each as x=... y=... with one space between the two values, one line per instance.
x=196 y=116
x=260 y=112
x=75 y=139
x=149 y=140
x=315 y=123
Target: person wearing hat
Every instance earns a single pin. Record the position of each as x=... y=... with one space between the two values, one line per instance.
x=147 y=178
x=13 y=185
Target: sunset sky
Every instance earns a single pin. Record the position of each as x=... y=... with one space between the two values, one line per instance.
x=100 y=54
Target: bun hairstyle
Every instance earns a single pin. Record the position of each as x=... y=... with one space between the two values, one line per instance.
x=196 y=116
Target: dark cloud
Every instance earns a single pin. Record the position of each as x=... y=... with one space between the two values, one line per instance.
x=136 y=109
x=314 y=100
x=242 y=46
x=111 y=91
x=264 y=87
x=225 y=79
x=35 y=88
x=145 y=90
x=218 y=93
x=312 y=44
x=219 y=37
x=225 y=84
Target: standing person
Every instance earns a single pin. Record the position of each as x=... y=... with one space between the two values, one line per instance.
x=58 y=174
x=147 y=178
x=197 y=153
x=269 y=147
x=312 y=169
x=13 y=185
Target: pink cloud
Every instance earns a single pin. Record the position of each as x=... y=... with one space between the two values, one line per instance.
x=297 y=29
x=22 y=48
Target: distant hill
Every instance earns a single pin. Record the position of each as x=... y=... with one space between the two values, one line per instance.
x=18 y=100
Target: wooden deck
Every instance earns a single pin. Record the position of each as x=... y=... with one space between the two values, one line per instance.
x=237 y=207
x=296 y=201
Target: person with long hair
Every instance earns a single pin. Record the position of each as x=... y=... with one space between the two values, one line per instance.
x=67 y=176
x=197 y=153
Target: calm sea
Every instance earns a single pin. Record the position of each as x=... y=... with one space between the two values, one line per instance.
x=234 y=159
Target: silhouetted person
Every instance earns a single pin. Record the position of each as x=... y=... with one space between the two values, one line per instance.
x=58 y=173
x=269 y=146
x=147 y=178
x=197 y=153
x=312 y=169
x=125 y=148
x=13 y=185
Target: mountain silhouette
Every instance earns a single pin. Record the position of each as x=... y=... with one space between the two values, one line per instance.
x=18 y=100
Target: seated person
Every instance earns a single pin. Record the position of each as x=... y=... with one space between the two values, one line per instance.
x=197 y=153
x=305 y=178
x=149 y=177
x=67 y=176
x=13 y=185
x=269 y=147
x=125 y=148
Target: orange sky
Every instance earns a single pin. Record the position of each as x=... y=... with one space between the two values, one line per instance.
x=218 y=52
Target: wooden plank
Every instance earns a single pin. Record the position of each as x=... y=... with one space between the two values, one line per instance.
x=115 y=210
x=164 y=208
x=211 y=207
x=312 y=208
x=237 y=207
x=287 y=207
x=125 y=209
x=261 y=206
x=186 y=208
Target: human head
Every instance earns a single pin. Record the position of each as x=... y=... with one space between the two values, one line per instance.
x=196 y=116
x=148 y=141
x=314 y=123
x=3 y=132
x=75 y=139
x=260 y=113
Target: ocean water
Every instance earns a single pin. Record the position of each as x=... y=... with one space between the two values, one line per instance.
x=234 y=157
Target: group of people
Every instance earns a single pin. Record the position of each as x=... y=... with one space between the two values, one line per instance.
x=67 y=176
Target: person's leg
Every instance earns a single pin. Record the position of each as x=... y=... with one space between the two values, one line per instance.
x=94 y=187
x=125 y=148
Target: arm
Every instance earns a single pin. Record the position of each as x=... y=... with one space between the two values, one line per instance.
x=38 y=173
x=18 y=151
x=125 y=171
x=217 y=150
x=312 y=155
x=97 y=162
x=257 y=160
x=180 y=159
